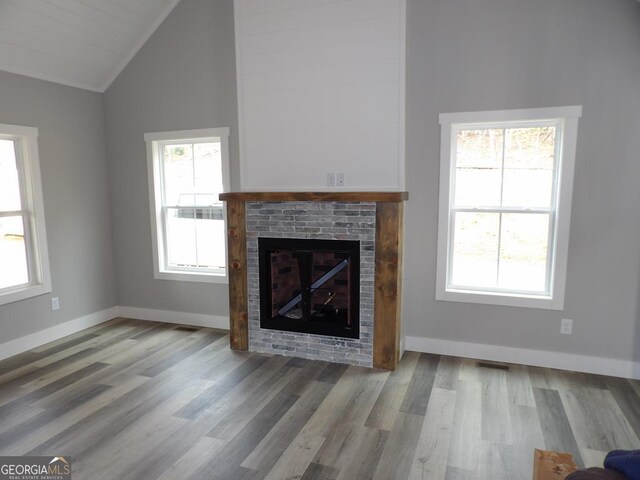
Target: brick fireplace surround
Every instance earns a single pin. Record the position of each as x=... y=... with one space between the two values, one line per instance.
x=372 y=218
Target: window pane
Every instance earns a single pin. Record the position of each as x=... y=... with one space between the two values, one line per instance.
x=211 y=238
x=181 y=237
x=196 y=237
x=528 y=163
x=13 y=253
x=192 y=174
x=9 y=183
x=475 y=249
x=523 y=252
x=208 y=172
x=478 y=167
x=479 y=148
x=477 y=187
x=178 y=174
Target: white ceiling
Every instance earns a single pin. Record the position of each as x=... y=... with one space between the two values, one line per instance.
x=82 y=43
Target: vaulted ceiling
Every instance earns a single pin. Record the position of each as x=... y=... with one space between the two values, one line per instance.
x=82 y=43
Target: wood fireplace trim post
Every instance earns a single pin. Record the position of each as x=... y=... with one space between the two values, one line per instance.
x=388 y=274
x=388 y=282
x=237 y=268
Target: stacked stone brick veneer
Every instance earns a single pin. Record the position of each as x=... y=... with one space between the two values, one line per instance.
x=320 y=220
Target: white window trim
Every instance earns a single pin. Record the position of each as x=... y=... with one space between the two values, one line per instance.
x=26 y=139
x=154 y=173
x=569 y=123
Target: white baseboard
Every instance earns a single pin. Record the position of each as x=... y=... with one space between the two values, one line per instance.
x=37 y=339
x=523 y=356
x=167 y=316
x=56 y=332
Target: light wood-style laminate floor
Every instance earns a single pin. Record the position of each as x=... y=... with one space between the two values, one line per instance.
x=141 y=400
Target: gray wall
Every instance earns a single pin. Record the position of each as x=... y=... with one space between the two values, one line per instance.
x=465 y=55
x=183 y=78
x=73 y=166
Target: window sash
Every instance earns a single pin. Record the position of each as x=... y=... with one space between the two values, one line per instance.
x=161 y=145
x=29 y=250
x=557 y=124
x=161 y=164
x=214 y=211
x=549 y=260
x=28 y=217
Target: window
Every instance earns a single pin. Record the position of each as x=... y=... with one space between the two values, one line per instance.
x=24 y=263
x=187 y=171
x=505 y=201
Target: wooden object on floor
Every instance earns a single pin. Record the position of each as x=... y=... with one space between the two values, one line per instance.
x=387 y=300
x=549 y=465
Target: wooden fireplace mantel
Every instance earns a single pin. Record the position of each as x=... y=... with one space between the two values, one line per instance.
x=315 y=196
x=388 y=264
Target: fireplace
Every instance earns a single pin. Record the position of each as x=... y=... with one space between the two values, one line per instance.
x=370 y=224
x=310 y=286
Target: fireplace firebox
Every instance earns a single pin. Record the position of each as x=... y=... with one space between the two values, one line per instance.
x=310 y=286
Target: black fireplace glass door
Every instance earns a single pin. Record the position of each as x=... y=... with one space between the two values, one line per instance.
x=310 y=286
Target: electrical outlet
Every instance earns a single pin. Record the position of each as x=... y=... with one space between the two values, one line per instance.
x=340 y=179
x=331 y=179
x=566 y=326
x=55 y=303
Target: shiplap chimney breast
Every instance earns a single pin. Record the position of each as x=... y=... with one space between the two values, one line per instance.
x=321 y=89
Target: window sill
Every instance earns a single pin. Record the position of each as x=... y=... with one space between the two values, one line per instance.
x=504 y=299
x=221 y=278
x=24 y=293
